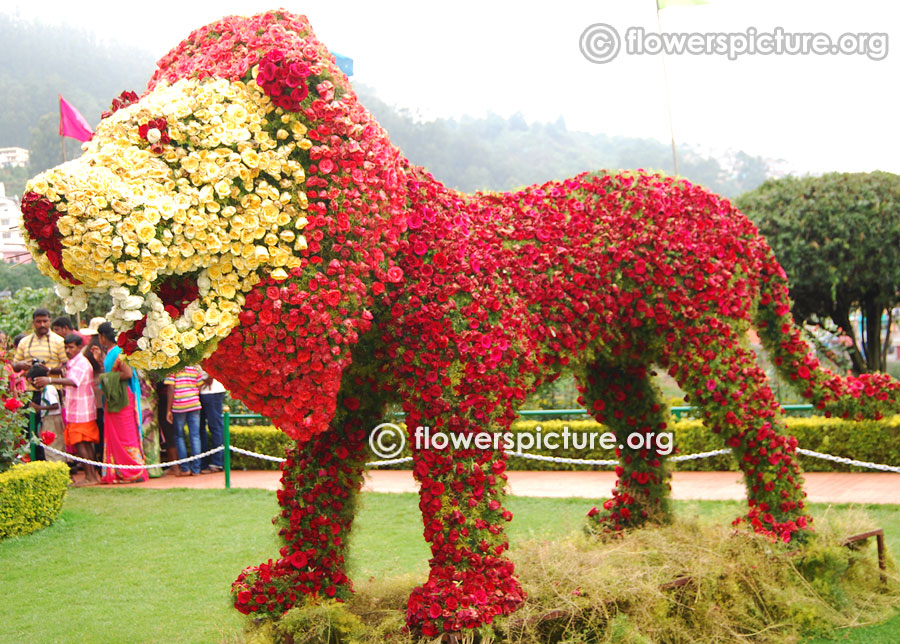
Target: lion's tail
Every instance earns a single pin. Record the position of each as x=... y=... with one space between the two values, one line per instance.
x=865 y=396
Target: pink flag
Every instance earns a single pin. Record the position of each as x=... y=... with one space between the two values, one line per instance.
x=71 y=123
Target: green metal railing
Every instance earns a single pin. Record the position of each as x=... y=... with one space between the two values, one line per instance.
x=677 y=412
x=32 y=429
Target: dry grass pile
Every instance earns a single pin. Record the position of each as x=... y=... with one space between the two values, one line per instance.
x=729 y=586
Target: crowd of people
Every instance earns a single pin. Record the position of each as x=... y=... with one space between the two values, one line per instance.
x=88 y=402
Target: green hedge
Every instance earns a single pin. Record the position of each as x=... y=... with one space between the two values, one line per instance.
x=31 y=497
x=262 y=439
x=874 y=441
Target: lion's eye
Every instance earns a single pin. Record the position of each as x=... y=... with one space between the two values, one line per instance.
x=156 y=133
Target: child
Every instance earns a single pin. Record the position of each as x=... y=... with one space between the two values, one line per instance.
x=81 y=412
x=50 y=415
x=183 y=406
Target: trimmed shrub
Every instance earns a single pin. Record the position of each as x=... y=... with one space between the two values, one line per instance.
x=868 y=440
x=31 y=497
x=262 y=439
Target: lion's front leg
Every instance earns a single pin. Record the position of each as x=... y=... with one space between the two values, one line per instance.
x=319 y=485
x=461 y=497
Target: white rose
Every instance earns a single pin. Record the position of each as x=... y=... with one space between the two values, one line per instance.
x=132 y=316
x=132 y=302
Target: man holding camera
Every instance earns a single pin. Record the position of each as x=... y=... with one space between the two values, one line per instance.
x=42 y=345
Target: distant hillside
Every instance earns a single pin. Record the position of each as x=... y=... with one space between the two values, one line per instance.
x=41 y=61
x=494 y=153
x=469 y=154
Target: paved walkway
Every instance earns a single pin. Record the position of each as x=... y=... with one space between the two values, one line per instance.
x=826 y=487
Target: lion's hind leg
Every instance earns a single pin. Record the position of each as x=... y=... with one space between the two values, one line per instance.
x=722 y=378
x=629 y=403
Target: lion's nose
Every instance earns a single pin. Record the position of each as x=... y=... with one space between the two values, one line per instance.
x=40 y=217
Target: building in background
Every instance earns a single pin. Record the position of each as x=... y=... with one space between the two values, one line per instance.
x=11 y=157
x=12 y=246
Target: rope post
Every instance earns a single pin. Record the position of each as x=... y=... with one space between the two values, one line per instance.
x=226 y=439
x=32 y=446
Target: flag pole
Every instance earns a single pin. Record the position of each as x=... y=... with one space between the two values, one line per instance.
x=63 y=139
x=668 y=99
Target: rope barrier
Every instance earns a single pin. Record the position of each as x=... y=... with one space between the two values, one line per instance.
x=264 y=457
x=849 y=461
x=78 y=459
x=534 y=457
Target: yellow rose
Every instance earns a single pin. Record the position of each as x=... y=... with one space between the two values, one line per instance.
x=145 y=232
x=250 y=158
x=198 y=318
x=189 y=339
x=168 y=333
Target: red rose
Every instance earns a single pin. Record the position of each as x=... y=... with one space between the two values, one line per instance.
x=48 y=437
x=395 y=274
x=13 y=404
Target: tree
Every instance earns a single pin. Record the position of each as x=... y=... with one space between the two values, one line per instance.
x=46 y=145
x=16 y=276
x=15 y=311
x=838 y=238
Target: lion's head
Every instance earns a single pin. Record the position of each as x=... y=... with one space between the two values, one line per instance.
x=248 y=165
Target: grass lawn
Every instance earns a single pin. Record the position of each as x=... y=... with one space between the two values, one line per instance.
x=156 y=565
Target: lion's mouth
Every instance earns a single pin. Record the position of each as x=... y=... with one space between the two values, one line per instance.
x=40 y=217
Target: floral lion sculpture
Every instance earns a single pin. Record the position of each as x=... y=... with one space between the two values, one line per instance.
x=249 y=213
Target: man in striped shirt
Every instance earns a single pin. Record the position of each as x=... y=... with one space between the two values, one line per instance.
x=184 y=408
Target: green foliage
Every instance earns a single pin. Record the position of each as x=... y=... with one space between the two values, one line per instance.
x=31 y=497
x=12 y=439
x=876 y=441
x=45 y=145
x=263 y=439
x=838 y=239
x=13 y=179
x=15 y=311
x=16 y=276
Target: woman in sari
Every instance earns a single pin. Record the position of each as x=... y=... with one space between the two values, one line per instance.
x=122 y=411
x=150 y=427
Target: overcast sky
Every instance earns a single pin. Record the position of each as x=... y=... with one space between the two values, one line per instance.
x=819 y=112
